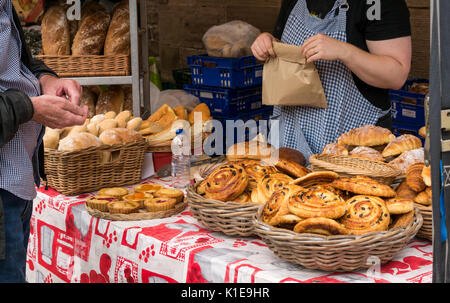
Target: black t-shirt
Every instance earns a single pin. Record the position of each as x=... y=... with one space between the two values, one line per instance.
x=393 y=23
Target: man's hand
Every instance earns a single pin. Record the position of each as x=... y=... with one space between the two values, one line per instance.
x=323 y=47
x=262 y=47
x=54 y=86
x=57 y=112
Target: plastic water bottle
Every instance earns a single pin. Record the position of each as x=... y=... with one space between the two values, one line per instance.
x=181 y=160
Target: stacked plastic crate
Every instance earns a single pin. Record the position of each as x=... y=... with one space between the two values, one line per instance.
x=408 y=111
x=231 y=87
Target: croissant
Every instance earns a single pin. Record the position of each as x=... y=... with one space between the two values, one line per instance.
x=414 y=177
x=426 y=175
x=367 y=135
x=408 y=158
x=401 y=144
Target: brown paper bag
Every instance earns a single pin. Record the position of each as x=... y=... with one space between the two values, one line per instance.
x=289 y=80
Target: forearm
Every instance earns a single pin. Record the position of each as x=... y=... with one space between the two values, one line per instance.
x=381 y=71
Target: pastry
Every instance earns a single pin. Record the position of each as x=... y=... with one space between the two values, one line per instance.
x=335 y=149
x=426 y=175
x=117 y=41
x=292 y=169
x=55 y=32
x=366 y=152
x=401 y=144
x=367 y=135
x=122 y=207
x=403 y=220
x=398 y=206
x=159 y=204
x=100 y=202
x=181 y=112
x=119 y=136
x=414 y=177
x=292 y=155
x=313 y=203
x=405 y=192
x=138 y=197
x=276 y=211
x=200 y=108
x=424 y=197
x=169 y=193
x=365 y=214
x=243 y=198
x=363 y=185
x=256 y=170
x=327 y=186
x=316 y=178
x=321 y=226
x=201 y=188
x=113 y=191
x=147 y=188
x=253 y=150
x=226 y=183
x=408 y=158
x=164 y=116
x=268 y=185
x=423 y=132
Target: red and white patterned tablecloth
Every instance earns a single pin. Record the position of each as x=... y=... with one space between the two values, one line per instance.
x=68 y=245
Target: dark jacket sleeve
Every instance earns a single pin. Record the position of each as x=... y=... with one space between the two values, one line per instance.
x=286 y=8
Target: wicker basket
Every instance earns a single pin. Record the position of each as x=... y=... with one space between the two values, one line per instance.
x=426 y=231
x=88 y=65
x=336 y=253
x=230 y=218
x=73 y=173
x=352 y=166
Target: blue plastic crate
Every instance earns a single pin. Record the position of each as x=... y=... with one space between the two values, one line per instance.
x=399 y=129
x=225 y=72
x=226 y=103
x=408 y=107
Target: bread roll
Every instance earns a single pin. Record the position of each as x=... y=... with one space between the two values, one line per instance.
x=98 y=118
x=110 y=99
x=366 y=152
x=93 y=128
x=119 y=136
x=77 y=129
x=51 y=138
x=110 y=115
x=134 y=123
x=78 y=141
x=117 y=40
x=92 y=29
x=106 y=124
x=408 y=158
x=88 y=98
x=122 y=118
x=55 y=32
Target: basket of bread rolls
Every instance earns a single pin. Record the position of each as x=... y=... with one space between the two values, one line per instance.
x=372 y=151
x=96 y=45
x=226 y=196
x=106 y=151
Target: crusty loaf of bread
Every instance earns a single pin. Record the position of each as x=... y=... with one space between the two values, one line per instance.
x=118 y=37
x=119 y=136
x=55 y=32
x=89 y=98
x=78 y=141
x=110 y=99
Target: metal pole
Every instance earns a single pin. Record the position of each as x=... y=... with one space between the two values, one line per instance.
x=134 y=43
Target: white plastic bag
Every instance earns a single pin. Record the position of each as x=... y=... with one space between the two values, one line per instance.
x=230 y=40
x=174 y=98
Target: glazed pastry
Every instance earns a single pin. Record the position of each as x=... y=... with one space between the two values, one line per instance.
x=405 y=192
x=327 y=186
x=335 y=149
x=113 y=191
x=321 y=226
x=122 y=207
x=403 y=220
x=268 y=185
x=226 y=183
x=276 y=211
x=426 y=175
x=316 y=178
x=147 y=188
x=100 y=202
x=367 y=135
x=256 y=171
x=138 y=197
x=424 y=197
x=363 y=185
x=201 y=188
x=408 y=158
x=366 y=214
x=243 y=198
x=313 y=203
x=293 y=169
x=414 y=177
x=366 y=152
x=169 y=193
x=399 y=206
x=401 y=144
x=159 y=204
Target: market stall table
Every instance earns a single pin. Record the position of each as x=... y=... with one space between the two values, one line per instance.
x=68 y=245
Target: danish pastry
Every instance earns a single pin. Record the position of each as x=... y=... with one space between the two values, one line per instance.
x=243 y=198
x=363 y=185
x=398 y=206
x=293 y=169
x=405 y=192
x=365 y=214
x=335 y=149
x=316 y=178
x=366 y=152
x=122 y=207
x=424 y=197
x=414 y=177
x=256 y=171
x=159 y=204
x=403 y=220
x=321 y=226
x=401 y=144
x=100 y=202
x=276 y=211
x=268 y=185
x=313 y=203
x=367 y=135
x=226 y=183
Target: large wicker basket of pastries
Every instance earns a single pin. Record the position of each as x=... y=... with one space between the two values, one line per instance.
x=106 y=151
x=372 y=151
x=328 y=222
x=228 y=195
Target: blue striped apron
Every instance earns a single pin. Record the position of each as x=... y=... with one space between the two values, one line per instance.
x=309 y=129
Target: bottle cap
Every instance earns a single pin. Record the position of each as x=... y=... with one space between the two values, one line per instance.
x=179 y=131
